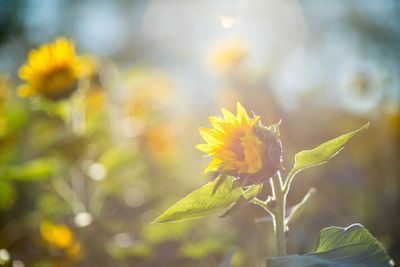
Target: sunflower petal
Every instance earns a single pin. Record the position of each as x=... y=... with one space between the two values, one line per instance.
x=241 y=114
x=215 y=122
x=25 y=90
x=210 y=136
x=209 y=149
x=228 y=116
x=213 y=165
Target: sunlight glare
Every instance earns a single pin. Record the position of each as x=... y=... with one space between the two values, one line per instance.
x=227 y=21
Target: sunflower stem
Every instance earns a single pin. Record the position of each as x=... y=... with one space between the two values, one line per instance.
x=264 y=205
x=279 y=214
x=288 y=181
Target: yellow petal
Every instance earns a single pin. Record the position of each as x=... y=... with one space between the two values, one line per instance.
x=215 y=122
x=241 y=114
x=25 y=90
x=213 y=164
x=228 y=116
x=209 y=149
x=25 y=72
x=210 y=137
x=62 y=236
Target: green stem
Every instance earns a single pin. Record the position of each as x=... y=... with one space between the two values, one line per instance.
x=279 y=216
x=288 y=181
x=264 y=205
x=278 y=212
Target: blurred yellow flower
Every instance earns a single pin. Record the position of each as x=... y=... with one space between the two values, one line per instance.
x=73 y=252
x=4 y=89
x=4 y=92
x=232 y=143
x=149 y=90
x=53 y=70
x=161 y=140
x=59 y=236
x=95 y=100
x=225 y=56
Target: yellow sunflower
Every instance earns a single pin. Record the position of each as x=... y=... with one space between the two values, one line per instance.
x=225 y=56
x=61 y=237
x=53 y=70
x=241 y=146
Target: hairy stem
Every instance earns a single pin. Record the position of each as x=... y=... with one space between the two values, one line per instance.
x=288 y=181
x=279 y=214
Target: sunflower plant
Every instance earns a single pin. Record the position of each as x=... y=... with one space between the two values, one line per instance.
x=53 y=71
x=246 y=155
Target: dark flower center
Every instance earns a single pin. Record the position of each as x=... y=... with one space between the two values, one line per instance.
x=236 y=145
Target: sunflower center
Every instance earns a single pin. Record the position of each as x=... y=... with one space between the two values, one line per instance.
x=236 y=146
x=59 y=78
x=58 y=83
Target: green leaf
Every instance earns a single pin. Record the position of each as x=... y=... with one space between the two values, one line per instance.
x=340 y=247
x=7 y=195
x=297 y=210
x=32 y=170
x=324 y=152
x=201 y=202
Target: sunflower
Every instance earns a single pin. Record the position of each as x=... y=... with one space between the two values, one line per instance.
x=224 y=57
x=241 y=146
x=61 y=237
x=53 y=71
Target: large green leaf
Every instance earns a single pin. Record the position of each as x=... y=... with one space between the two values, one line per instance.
x=297 y=210
x=324 y=152
x=202 y=202
x=340 y=247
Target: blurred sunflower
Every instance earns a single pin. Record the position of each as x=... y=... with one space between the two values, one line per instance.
x=148 y=90
x=225 y=56
x=161 y=141
x=241 y=147
x=4 y=77
x=53 y=70
x=61 y=237
x=4 y=95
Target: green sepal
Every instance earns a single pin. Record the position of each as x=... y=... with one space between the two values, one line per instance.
x=275 y=128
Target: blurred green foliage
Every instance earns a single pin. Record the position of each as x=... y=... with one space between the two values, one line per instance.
x=107 y=161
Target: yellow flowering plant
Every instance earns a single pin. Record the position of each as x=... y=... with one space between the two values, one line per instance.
x=241 y=147
x=61 y=237
x=247 y=156
x=53 y=70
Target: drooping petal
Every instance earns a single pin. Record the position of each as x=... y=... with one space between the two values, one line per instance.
x=213 y=165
